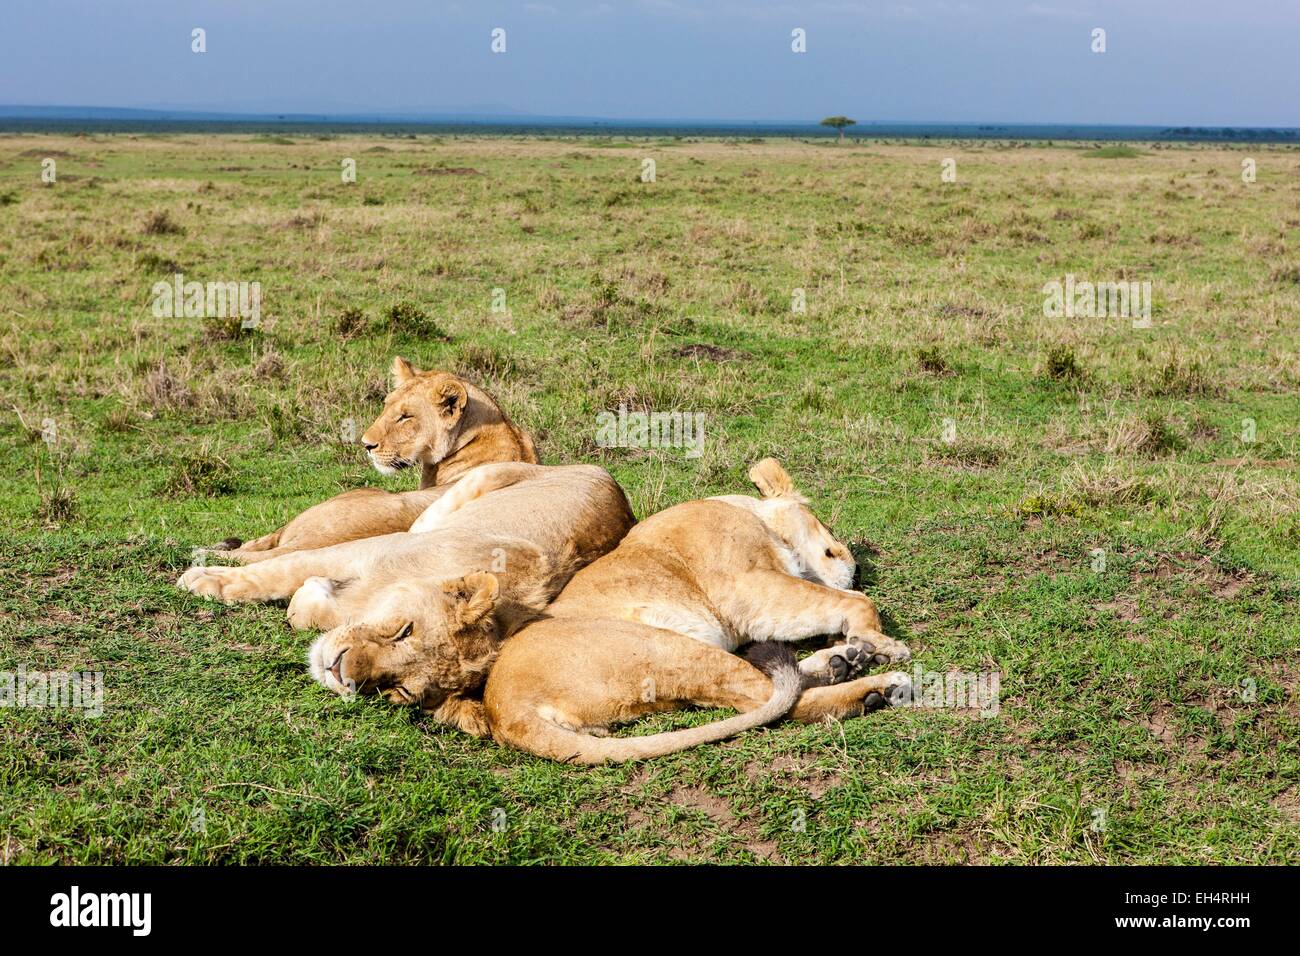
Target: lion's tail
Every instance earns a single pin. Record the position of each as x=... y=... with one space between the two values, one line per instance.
x=259 y=549
x=586 y=749
x=265 y=543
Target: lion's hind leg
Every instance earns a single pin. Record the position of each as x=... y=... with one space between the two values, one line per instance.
x=853 y=698
x=561 y=680
x=767 y=605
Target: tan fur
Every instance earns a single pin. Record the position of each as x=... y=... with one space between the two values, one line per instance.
x=631 y=633
x=559 y=684
x=452 y=592
x=649 y=627
x=432 y=419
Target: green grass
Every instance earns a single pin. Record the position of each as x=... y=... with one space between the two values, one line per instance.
x=1148 y=710
x=1114 y=152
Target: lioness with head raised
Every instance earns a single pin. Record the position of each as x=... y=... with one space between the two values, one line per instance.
x=435 y=420
x=650 y=626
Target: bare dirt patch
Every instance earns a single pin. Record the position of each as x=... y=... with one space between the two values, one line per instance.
x=1288 y=802
x=800 y=772
x=1161 y=726
x=708 y=353
x=1202 y=571
x=446 y=171
x=719 y=812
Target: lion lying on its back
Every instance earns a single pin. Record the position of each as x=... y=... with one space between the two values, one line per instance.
x=649 y=626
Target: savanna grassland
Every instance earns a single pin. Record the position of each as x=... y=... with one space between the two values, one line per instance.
x=1105 y=515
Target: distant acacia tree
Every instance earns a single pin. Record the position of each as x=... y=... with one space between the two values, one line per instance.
x=839 y=122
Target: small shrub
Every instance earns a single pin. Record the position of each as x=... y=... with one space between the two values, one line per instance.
x=199 y=473
x=226 y=328
x=406 y=319
x=932 y=361
x=1288 y=273
x=487 y=360
x=286 y=422
x=311 y=220
x=160 y=223
x=270 y=365
x=1102 y=489
x=1160 y=438
x=968 y=453
x=1113 y=152
x=1182 y=379
x=163 y=390
x=350 y=324
x=58 y=504
x=1048 y=505
x=813 y=397
x=1150 y=435
x=152 y=262
x=1062 y=365
x=117 y=421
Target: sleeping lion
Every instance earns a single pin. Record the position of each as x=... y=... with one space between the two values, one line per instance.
x=648 y=627
x=475 y=576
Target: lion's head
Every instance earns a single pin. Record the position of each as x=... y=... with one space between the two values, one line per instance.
x=417 y=646
x=785 y=511
x=421 y=420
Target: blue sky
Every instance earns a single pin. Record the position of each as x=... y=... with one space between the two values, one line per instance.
x=1168 y=62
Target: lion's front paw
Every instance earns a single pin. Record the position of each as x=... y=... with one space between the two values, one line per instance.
x=222 y=584
x=312 y=605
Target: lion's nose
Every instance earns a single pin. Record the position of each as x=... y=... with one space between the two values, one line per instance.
x=369 y=445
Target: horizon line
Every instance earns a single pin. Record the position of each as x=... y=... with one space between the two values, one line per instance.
x=13 y=111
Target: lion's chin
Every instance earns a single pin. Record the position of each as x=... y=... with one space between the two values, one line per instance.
x=389 y=467
x=316 y=662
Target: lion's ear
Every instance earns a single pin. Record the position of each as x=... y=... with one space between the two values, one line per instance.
x=403 y=371
x=452 y=397
x=771 y=479
x=475 y=596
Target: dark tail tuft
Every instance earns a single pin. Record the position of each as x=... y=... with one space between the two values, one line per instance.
x=769 y=656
